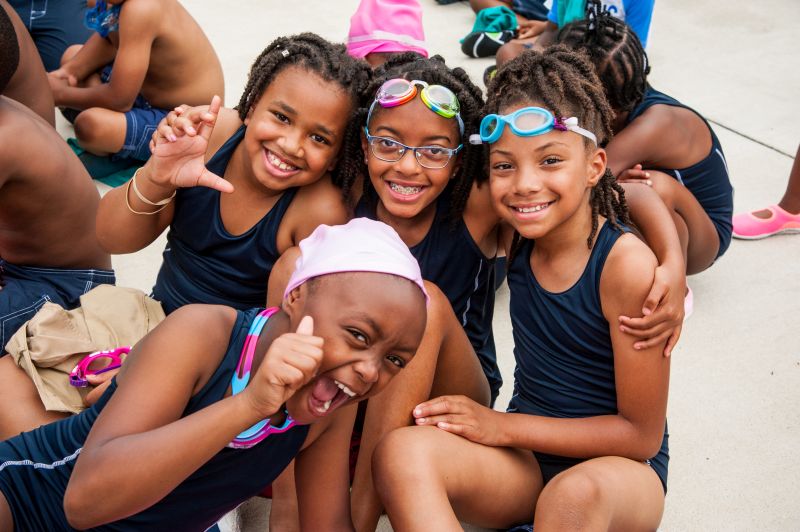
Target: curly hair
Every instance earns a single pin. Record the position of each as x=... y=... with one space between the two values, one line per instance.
x=616 y=52
x=564 y=82
x=331 y=63
x=434 y=71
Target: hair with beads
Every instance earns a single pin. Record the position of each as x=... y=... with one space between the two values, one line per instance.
x=10 y=49
x=616 y=52
x=331 y=63
x=434 y=71
x=564 y=82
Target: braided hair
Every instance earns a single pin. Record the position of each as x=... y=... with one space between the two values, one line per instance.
x=331 y=63
x=615 y=51
x=564 y=81
x=434 y=71
x=10 y=49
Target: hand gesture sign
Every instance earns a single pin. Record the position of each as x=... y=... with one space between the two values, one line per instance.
x=179 y=145
x=289 y=364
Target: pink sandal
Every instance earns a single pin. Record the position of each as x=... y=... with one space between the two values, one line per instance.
x=747 y=226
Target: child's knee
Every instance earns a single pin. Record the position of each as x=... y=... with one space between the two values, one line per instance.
x=403 y=457
x=507 y=52
x=664 y=185
x=70 y=52
x=91 y=125
x=571 y=495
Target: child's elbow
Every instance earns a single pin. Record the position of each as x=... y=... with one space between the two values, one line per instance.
x=80 y=508
x=647 y=446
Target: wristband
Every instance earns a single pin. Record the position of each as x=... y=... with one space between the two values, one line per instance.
x=145 y=200
x=128 y=203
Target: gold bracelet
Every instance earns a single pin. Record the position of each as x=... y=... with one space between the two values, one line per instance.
x=128 y=203
x=145 y=200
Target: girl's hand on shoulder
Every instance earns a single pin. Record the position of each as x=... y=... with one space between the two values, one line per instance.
x=663 y=310
x=179 y=145
x=290 y=363
x=463 y=416
x=635 y=175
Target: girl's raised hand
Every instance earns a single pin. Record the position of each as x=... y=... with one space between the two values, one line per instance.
x=179 y=145
x=290 y=363
x=463 y=416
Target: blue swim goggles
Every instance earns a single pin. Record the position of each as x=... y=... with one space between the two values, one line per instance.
x=102 y=18
x=527 y=122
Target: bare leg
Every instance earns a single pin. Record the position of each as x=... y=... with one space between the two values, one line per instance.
x=101 y=131
x=422 y=480
x=699 y=239
x=284 y=516
x=609 y=493
x=444 y=364
x=791 y=198
x=28 y=412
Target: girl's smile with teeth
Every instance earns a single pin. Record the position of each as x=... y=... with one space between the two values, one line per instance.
x=279 y=163
x=403 y=189
x=533 y=208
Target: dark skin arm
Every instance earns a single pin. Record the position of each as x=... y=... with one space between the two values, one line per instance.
x=663 y=307
x=137 y=31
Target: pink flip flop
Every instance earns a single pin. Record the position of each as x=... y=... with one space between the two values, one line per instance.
x=747 y=226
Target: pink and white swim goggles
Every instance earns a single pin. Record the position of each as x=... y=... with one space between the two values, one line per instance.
x=95 y=364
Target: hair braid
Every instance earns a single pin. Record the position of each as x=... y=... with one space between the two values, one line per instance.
x=565 y=82
x=616 y=52
x=434 y=71
x=10 y=47
x=331 y=63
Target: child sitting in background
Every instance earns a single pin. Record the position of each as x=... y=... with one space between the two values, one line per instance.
x=153 y=45
x=28 y=85
x=176 y=445
x=674 y=144
x=584 y=443
x=636 y=13
x=48 y=246
x=382 y=28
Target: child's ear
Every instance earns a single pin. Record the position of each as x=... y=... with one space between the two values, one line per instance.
x=365 y=146
x=294 y=302
x=596 y=166
x=247 y=117
x=456 y=165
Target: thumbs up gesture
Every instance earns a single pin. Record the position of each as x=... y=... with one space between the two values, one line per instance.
x=290 y=363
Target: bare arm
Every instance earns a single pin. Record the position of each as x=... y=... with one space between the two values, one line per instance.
x=174 y=164
x=96 y=53
x=322 y=475
x=137 y=27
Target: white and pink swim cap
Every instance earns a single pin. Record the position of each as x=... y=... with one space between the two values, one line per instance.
x=386 y=26
x=360 y=245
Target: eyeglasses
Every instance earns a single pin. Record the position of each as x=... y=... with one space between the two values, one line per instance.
x=437 y=98
x=96 y=363
x=528 y=122
x=391 y=151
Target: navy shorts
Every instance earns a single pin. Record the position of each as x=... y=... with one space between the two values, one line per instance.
x=25 y=289
x=140 y=123
x=54 y=25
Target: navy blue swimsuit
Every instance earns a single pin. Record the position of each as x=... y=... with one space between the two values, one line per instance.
x=450 y=258
x=562 y=347
x=203 y=263
x=707 y=180
x=35 y=466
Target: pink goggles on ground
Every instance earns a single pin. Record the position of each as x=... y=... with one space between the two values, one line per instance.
x=96 y=363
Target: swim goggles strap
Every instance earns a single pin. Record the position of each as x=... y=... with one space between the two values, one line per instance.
x=571 y=124
x=241 y=377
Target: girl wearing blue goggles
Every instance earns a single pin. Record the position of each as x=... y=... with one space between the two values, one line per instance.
x=527 y=122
